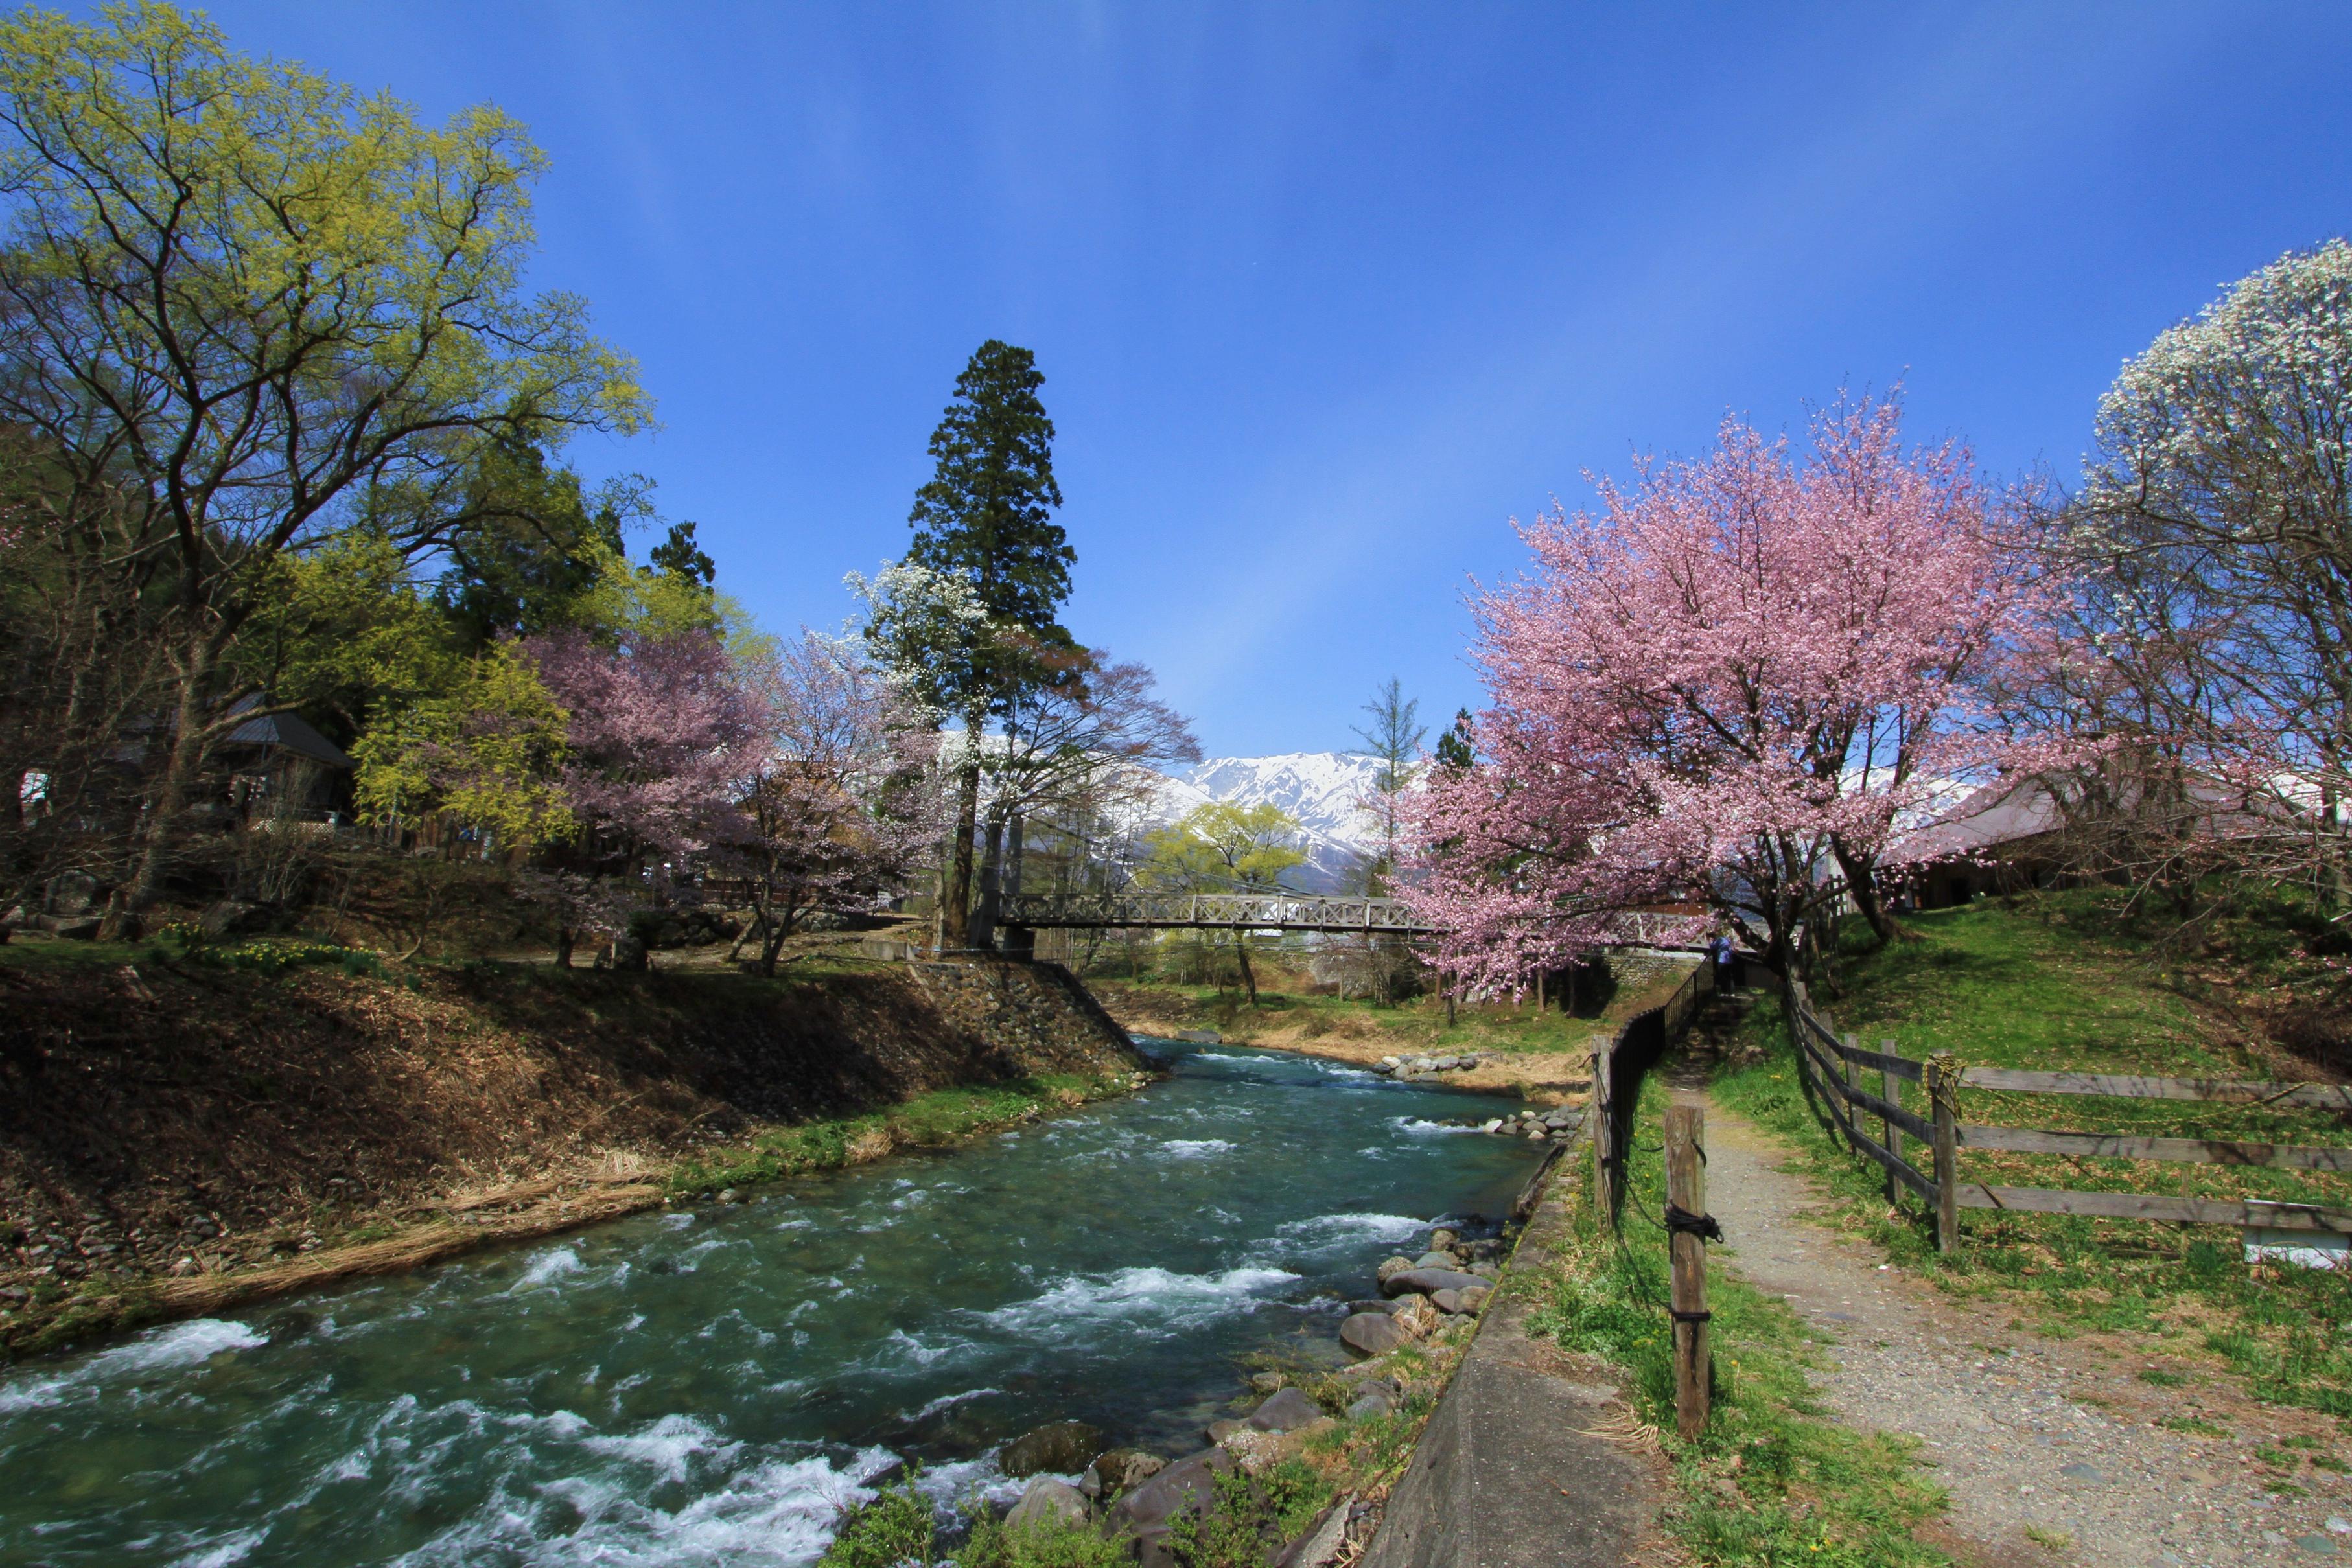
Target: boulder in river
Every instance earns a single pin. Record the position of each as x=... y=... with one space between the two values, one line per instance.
x=1063 y=1448
x=1383 y=1306
x=1046 y=1503
x=1421 y=1282
x=1391 y=1267
x=1437 y=1258
x=1286 y=1412
x=1372 y=1333
x=1122 y=1469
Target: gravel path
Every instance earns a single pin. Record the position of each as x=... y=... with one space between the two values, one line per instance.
x=2052 y=1436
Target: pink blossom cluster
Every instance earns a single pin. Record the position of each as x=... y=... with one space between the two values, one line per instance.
x=657 y=728
x=1728 y=682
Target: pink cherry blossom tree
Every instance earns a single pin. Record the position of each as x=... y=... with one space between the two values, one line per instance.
x=838 y=796
x=656 y=733
x=1728 y=681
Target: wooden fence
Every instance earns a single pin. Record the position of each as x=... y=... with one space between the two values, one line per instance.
x=1619 y=1064
x=1832 y=1070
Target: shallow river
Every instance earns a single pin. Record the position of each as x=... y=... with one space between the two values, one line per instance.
x=707 y=1387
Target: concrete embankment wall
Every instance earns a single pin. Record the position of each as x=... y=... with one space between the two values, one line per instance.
x=1529 y=1460
x=1532 y=1456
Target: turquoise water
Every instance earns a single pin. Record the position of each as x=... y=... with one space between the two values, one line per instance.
x=708 y=1386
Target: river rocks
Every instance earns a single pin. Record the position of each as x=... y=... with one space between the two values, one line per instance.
x=1420 y=1066
x=1146 y=1513
x=1463 y=1302
x=1421 y=1282
x=1046 y=1503
x=1371 y=1402
x=1063 y=1448
x=1558 y=1122
x=1372 y=1333
x=1389 y=1268
x=1255 y=1451
x=1218 y=1431
x=1437 y=1259
x=1383 y=1306
x=1286 y=1412
x=1122 y=1469
x=1269 y=1382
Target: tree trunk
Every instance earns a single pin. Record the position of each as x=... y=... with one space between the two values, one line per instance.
x=1249 y=976
x=1861 y=883
x=955 y=901
x=771 y=943
x=564 y=938
x=169 y=799
x=991 y=880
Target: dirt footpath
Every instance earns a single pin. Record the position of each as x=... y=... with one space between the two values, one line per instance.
x=2050 y=1448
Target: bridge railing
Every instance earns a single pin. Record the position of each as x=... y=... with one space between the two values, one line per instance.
x=1241 y=910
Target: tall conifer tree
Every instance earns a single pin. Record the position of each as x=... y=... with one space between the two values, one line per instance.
x=986 y=515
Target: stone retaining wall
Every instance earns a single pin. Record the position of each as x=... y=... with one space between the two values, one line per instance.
x=1035 y=1015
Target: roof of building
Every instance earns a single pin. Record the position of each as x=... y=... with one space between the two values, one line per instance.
x=288 y=732
x=1997 y=814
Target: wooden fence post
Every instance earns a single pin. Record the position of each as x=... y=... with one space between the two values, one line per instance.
x=1891 y=1088
x=1942 y=1094
x=1852 y=1081
x=1687 y=1190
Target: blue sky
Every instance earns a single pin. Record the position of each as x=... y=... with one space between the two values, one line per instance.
x=1326 y=294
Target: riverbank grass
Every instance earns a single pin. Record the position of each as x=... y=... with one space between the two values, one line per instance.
x=2056 y=985
x=1295 y=1019
x=941 y=1119
x=1772 y=1481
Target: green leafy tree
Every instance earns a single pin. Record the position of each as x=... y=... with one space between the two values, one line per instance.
x=238 y=296
x=487 y=746
x=986 y=518
x=1227 y=848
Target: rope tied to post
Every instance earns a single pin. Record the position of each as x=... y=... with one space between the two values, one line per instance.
x=1680 y=1222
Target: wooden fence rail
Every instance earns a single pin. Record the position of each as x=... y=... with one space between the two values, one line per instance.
x=1829 y=1067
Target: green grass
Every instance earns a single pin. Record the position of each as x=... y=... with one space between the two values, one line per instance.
x=1248 y=1517
x=2059 y=985
x=1415 y=1025
x=937 y=1120
x=1772 y=1480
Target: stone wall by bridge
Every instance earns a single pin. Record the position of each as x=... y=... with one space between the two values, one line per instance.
x=1035 y=1016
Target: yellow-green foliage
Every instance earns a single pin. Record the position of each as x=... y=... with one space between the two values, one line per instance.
x=485 y=746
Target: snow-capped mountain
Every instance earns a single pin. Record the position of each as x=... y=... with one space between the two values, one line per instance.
x=1321 y=789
